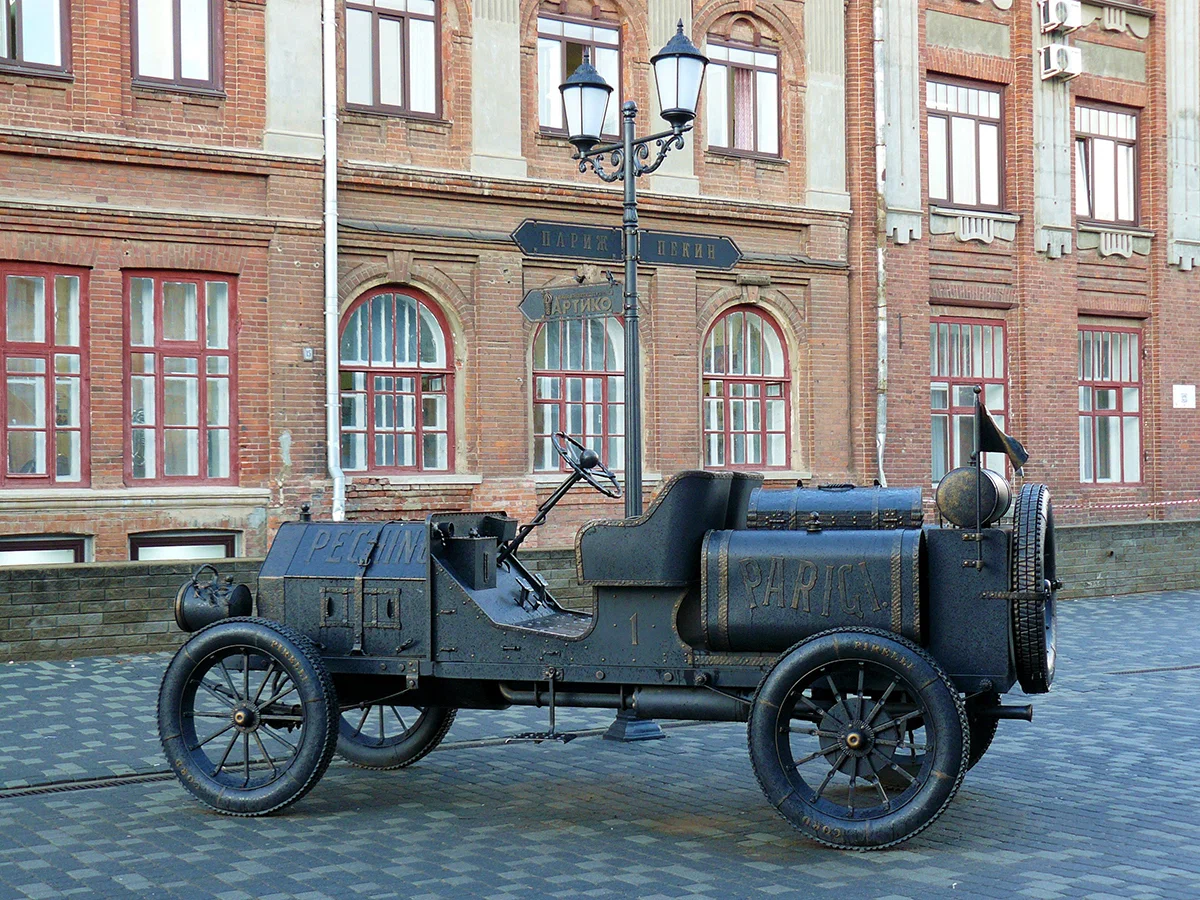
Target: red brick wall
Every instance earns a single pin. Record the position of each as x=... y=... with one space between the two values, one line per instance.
x=99 y=96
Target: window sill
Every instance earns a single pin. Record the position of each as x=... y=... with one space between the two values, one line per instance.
x=728 y=157
x=792 y=475
x=363 y=116
x=1114 y=240
x=559 y=139
x=548 y=479
x=156 y=87
x=29 y=499
x=448 y=479
x=60 y=77
x=984 y=225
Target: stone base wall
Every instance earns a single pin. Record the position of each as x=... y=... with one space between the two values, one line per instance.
x=101 y=609
x=1097 y=560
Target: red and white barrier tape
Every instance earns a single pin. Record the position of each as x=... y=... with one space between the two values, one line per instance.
x=1151 y=505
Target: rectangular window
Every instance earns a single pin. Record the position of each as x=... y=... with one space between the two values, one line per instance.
x=169 y=545
x=392 y=56
x=34 y=35
x=964 y=354
x=1106 y=165
x=181 y=377
x=964 y=145
x=177 y=43
x=561 y=45
x=1110 y=407
x=579 y=388
x=742 y=99
x=43 y=406
x=41 y=550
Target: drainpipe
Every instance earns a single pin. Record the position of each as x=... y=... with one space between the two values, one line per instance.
x=881 y=307
x=333 y=440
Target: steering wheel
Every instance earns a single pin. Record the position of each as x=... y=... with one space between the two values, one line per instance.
x=582 y=461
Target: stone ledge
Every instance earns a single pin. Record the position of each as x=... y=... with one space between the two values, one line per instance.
x=1183 y=253
x=904 y=225
x=973 y=224
x=1115 y=240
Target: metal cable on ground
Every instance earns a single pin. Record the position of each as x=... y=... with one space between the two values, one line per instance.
x=152 y=775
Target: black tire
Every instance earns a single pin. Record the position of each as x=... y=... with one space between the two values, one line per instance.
x=982 y=732
x=383 y=736
x=1032 y=568
x=263 y=685
x=852 y=693
x=983 y=728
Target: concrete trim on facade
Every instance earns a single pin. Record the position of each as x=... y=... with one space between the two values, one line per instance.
x=967 y=33
x=293 y=39
x=825 y=104
x=1183 y=133
x=677 y=174
x=1119 y=17
x=1107 y=241
x=1113 y=62
x=973 y=225
x=902 y=130
x=496 y=90
x=1053 y=184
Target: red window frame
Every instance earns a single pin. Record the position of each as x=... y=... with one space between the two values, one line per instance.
x=734 y=388
x=556 y=409
x=161 y=349
x=1112 y=364
x=216 y=51
x=76 y=543
x=140 y=540
x=418 y=373
x=953 y=363
x=405 y=18
x=47 y=350
x=16 y=63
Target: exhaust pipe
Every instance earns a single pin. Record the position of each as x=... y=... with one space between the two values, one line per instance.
x=998 y=711
x=646 y=702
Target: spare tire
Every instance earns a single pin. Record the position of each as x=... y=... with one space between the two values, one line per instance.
x=1032 y=574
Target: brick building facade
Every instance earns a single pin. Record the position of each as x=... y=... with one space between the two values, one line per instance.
x=162 y=239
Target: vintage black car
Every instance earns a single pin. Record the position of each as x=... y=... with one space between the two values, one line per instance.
x=866 y=650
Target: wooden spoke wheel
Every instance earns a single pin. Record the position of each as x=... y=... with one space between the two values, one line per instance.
x=388 y=736
x=247 y=716
x=832 y=729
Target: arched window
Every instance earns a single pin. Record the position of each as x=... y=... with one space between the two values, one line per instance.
x=397 y=385
x=745 y=392
x=579 y=388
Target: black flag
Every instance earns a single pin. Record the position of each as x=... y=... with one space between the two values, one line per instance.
x=993 y=440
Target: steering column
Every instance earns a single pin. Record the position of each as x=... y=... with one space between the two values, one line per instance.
x=585 y=464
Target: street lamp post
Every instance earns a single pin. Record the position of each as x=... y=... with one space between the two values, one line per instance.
x=678 y=73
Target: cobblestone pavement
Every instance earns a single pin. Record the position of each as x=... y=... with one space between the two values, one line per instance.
x=1097 y=798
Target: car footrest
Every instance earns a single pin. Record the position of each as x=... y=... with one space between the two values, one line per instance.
x=536 y=737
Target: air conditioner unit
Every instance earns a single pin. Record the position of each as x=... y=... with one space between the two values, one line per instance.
x=1061 y=61
x=1060 y=15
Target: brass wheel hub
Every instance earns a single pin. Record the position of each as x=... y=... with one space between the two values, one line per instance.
x=857 y=739
x=245 y=718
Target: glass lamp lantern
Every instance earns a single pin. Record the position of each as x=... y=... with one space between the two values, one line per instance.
x=585 y=98
x=678 y=71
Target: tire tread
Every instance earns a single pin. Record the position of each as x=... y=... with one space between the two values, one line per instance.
x=313 y=657
x=947 y=683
